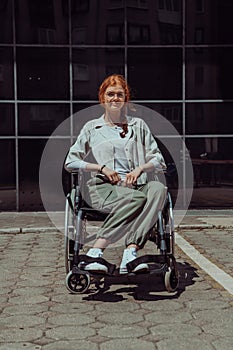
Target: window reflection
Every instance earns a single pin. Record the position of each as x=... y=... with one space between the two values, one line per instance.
x=29 y=162
x=41 y=22
x=90 y=67
x=7 y=175
x=170 y=111
x=209 y=21
x=43 y=73
x=209 y=73
x=155 y=73
x=6 y=73
x=29 y=165
x=209 y=118
x=41 y=119
x=97 y=22
x=154 y=22
x=5 y=21
x=115 y=34
x=213 y=168
x=7 y=120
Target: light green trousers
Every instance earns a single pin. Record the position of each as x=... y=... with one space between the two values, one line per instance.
x=132 y=212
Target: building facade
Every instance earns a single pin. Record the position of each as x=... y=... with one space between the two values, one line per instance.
x=176 y=55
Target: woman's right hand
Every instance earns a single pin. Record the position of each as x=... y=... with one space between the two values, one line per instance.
x=112 y=175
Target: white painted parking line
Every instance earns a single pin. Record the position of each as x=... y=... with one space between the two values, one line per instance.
x=223 y=278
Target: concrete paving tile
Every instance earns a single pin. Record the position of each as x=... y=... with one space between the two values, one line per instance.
x=199 y=295
x=25 y=309
x=20 y=346
x=37 y=299
x=73 y=308
x=225 y=343
x=3 y=299
x=71 y=345
x=122 y=331
x=222 y=328
x=22 y=321
x=187 y=330
x=226 y=315
x=37 y=276
x=120 y=318
x=65 y=297
x=70 y=332
x=166 y=316
x=199 y=305
x=20 y=334
x=5 y=290
x=124 y=306
x=168 y=305
x=79 y=319
x=7 y=284
x=182 y=343
x=24 y=281
x=30 y=291
x=133 y=344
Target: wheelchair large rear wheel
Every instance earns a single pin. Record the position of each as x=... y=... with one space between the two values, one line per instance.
x=69 y=234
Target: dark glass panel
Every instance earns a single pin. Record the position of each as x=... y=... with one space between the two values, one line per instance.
x=6 y=74
x=43 y=73
x=171 y=112
x=155 y=73
x=209 y=73
x=213 y=172
x=97 y=22
x=41 y=22
x=152 y=22
x=171 y=148
x=6 y=21
x=30 y=152
x=209 y=118
x=42 y=160
x=91 y=66
x=7 y=120
x=77 y=107
x=41 y=119
x=7 y=175
x=209 y=22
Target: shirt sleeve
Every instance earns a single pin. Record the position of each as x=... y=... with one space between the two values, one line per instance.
x=153 y=153
x=78 y=152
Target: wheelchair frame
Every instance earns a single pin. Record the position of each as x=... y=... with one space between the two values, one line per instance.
x=77 y=212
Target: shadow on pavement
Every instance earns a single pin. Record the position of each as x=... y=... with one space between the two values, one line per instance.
x=142 y=287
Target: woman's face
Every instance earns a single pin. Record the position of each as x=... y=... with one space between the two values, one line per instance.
x=114 y=98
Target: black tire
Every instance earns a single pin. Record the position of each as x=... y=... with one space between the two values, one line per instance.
x=171 y=280
x=77 y=283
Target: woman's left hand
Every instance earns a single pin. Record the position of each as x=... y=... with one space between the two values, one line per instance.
x=131 y=178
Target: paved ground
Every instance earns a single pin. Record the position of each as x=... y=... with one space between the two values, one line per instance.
x=39 y=313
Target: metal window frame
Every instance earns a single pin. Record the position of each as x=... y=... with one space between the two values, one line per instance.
x=183 y=101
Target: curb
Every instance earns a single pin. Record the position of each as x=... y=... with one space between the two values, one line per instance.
x=17 y=230
x=22 y=230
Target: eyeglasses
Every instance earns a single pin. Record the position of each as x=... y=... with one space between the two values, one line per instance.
x=112 y=94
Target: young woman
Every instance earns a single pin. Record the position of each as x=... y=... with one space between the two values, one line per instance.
x=125 y=151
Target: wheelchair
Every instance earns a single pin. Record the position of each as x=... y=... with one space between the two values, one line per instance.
x=78 y=213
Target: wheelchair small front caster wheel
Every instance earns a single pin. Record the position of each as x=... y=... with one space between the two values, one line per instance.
x=77 y=283
x=171 y=280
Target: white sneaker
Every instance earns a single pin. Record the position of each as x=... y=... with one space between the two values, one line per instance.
x=95 y=267
x=130 y=254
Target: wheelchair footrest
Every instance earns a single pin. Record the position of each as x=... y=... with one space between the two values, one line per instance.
x=160 y=259
x=84 y=259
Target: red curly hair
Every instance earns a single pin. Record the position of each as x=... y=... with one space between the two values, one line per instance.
x=112 y=80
